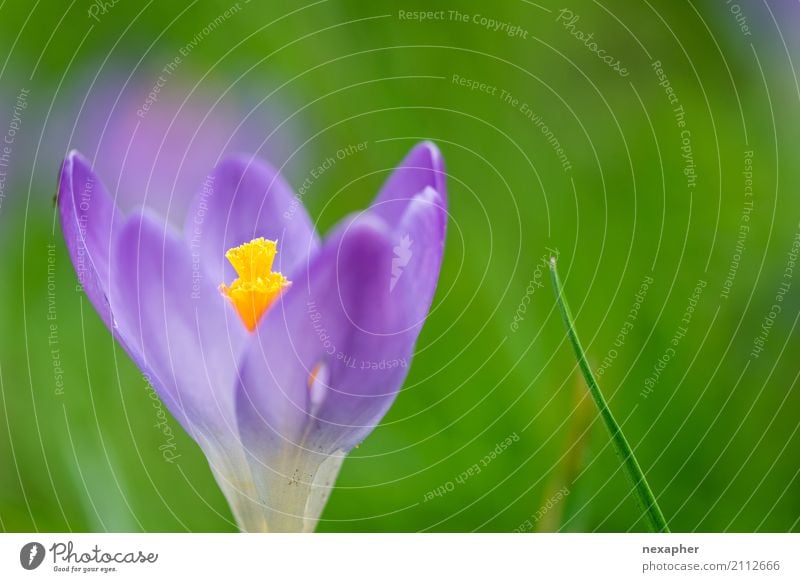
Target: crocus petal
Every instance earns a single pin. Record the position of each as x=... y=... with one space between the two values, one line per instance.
x=423 y=167
x=419 y=237
x=337 y=304
x=242 y=199
x=89 y=218
x=378 y=319
x=180 y=331
x=337 y=312
x=176 y=326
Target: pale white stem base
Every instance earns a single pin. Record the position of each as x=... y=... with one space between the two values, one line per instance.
x=283 y=492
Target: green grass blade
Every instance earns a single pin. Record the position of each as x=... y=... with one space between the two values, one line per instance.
x=644 y=494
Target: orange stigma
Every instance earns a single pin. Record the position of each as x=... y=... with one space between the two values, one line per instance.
x=257 y=286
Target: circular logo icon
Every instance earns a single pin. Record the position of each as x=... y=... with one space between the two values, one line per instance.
x=31 y=555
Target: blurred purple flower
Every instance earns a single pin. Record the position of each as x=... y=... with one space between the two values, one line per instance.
x=334 y=323
x=158 y=139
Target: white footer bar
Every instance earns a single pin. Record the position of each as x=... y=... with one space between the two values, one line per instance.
x=390 y=557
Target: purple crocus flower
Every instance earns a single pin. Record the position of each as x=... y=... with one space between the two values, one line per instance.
x=277 y=352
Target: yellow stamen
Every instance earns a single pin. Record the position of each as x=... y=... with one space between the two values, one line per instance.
x=257 y=286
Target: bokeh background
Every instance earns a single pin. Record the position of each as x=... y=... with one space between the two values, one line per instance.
x=629 y=197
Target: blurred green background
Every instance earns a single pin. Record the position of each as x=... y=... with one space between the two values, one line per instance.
x=716 y=435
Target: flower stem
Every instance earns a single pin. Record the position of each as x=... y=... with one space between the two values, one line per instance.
x=655 y=517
